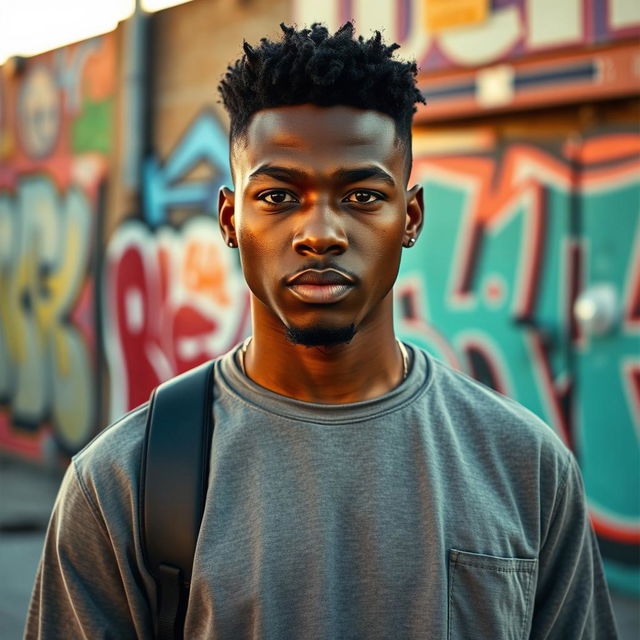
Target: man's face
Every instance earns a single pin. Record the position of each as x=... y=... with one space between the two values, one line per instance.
x=320 y=213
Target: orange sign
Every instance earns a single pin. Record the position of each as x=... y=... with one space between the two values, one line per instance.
x=446 y=14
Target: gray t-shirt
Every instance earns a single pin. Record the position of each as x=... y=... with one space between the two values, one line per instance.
x=439 y=510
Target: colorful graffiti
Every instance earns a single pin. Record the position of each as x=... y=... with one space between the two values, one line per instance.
x=167 y=185
x=513 y=28
x=510 y=240
x=174 y=293
x=55 y=131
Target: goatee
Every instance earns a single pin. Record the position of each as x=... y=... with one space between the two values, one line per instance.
x=321 y=336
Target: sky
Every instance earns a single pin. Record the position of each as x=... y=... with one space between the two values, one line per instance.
x=28 y=27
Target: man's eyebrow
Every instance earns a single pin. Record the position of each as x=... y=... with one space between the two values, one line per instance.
x=347 y=176
x=344 y=176
x=283 y=174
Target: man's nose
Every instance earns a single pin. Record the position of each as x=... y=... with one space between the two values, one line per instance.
x=321 y=231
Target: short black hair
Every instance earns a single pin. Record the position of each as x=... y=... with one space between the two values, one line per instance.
x=310 y=66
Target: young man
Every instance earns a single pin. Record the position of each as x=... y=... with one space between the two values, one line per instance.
x=358 y=487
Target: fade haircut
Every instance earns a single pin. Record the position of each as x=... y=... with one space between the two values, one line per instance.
x=310 y=66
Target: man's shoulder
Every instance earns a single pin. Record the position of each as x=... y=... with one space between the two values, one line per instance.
x=480 y=412
x=114 y=452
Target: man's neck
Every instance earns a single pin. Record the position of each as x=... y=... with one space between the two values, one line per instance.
x=367 y=367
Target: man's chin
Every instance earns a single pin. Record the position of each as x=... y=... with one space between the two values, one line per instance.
x=321 y=336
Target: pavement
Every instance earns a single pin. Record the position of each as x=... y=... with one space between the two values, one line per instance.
x=27 y=496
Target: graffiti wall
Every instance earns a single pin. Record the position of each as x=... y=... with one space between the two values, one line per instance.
x=478 y=56
x=174 y=292
x=55 y=131
x=514 y=236
x=509 y=29
x=511 y=238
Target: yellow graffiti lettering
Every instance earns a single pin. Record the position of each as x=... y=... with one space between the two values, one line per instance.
x=42 y=271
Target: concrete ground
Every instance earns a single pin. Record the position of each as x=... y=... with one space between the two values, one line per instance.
x=27 y=494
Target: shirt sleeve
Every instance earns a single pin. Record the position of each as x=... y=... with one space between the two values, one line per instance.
x=81 y=588
x=572 y=600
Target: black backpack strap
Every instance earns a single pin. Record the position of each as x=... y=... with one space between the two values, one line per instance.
x=173 y=485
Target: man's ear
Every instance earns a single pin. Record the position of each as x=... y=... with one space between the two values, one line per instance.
x=415 y=213
x=226 y=216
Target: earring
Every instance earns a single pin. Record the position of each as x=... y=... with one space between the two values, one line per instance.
x=230 y=243
x=411 y=242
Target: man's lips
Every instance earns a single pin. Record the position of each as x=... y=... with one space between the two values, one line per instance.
x=320 y=286
x=320 y=277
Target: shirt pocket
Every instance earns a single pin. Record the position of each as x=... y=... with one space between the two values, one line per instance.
x=490 y=598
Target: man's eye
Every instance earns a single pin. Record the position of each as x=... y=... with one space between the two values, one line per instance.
x=277 y=197
x=363 y=197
